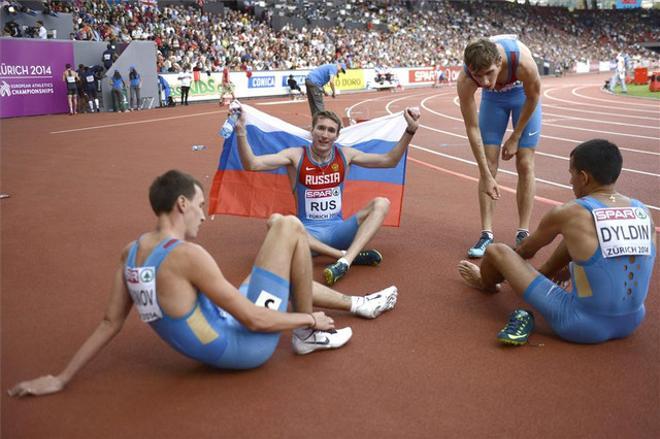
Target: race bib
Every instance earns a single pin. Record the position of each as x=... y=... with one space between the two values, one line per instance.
x=623 y=231
x=141 y=283
x=322 y=204
x=268 y=300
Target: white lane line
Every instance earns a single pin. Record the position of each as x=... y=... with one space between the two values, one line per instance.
x=622 y=148
x=547 y=95
x=614 y=101
x=379 y=98
x=604 y=113
x=138 y=122
x=288 y=101
x=614 y=133
x=559 y=157
x=504 y=188
x=470 y=162
x=469 y=177
x=545 y=136
x=607 y=122
x=504 y=171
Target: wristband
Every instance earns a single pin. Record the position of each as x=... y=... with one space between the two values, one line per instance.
x=412 y=133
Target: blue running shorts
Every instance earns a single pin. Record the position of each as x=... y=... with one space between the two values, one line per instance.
x=247 y=349
x=562 y=310
x=494 y=115
x=338 y=234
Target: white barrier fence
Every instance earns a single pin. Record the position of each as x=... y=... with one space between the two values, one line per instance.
x=274 y=83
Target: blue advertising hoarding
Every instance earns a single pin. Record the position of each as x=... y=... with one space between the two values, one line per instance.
x=628 y=4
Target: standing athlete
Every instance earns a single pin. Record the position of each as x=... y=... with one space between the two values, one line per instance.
x=70 y=77
x=506 y=72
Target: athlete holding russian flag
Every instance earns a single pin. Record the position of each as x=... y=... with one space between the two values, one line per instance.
x=317 y=173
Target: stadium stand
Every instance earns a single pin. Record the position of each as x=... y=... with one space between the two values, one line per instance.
x=267 y=35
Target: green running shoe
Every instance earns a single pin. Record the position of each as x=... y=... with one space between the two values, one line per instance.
x=518 y=329
x=368 y=257
x=334 y=272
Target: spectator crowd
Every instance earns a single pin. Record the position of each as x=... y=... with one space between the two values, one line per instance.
x=391 y=32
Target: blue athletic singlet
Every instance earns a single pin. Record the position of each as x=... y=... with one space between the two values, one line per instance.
x=609 y=289
x=507 y=101
x=207 y=333
x=512 y=60
x=609 y=284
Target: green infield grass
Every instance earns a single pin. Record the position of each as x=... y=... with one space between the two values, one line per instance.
x=638 y=90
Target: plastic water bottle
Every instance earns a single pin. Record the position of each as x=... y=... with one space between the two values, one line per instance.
x=228 y=127
x=198 y=147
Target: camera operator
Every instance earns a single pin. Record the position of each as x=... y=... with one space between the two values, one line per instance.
x=30 y=32
x=12 y=29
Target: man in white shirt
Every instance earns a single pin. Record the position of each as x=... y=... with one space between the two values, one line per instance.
x=619 y=74
x=186 y=80
x=43 y=32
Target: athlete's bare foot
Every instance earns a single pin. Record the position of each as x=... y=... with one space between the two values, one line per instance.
x=471 y=275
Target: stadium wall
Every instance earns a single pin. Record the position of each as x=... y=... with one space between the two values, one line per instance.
x=31 y=76
x=274 y=83
x=142 y=55
x=31 y=72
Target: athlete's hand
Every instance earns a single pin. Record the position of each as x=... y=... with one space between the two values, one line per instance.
x=236 y=106
x=510 y=147
x=323 y=322
x=488 y=185
x=41 y=386
x=563 y=278
x=412 y=115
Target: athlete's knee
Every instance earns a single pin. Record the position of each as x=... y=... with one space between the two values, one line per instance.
x=273 y=218
x=381 y=204
x=288 y=223
x=493 y=164
x=525 y=166
x=287 y=228
x=497 y=250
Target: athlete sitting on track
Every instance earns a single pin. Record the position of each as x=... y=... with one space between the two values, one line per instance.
x=180 y=291
x=608 y=251
x=324 y=165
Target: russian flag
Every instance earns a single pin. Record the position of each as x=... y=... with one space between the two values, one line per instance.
x=236 y=191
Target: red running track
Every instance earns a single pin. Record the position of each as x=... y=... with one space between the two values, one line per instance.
x=431 y=368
